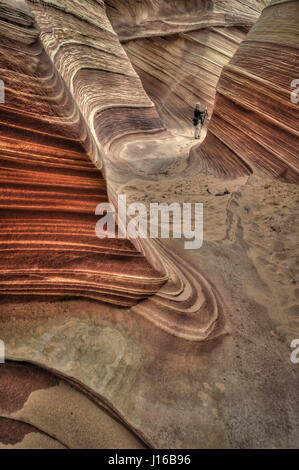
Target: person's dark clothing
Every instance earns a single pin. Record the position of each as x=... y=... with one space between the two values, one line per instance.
x=198 y=116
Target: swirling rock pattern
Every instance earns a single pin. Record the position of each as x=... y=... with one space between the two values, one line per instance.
x=112 y=100
x=41 y=410
x=173 y=367
x=254 y=121
x=149 y=18
x=179 y=55
x=50 y=188
x=96 y=69
x=179 y=50
x=181 y=69
x=101 y=79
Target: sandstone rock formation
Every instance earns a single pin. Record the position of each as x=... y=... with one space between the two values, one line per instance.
x=124 y=121
x=179 y=50
x=40 y=410
x=255 y=123
x=204 y=359
x=149 y=18
x=50 y=188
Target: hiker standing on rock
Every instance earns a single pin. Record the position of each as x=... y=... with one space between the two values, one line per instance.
x=199 y=119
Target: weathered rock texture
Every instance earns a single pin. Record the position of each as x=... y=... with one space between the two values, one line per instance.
x=204 y=362
x=87 y=53
x=147 y=18
x=128 y=130
x=181 y=69
x=179 y=49
x=50 y=188
x=38 y=409
x=255 y=123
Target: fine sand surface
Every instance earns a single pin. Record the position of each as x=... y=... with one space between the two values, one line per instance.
x=261 y=209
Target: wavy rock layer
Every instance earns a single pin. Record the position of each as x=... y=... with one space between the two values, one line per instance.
x=179 y=49
x=112 y=100
x=179 y=70
x=126 y=124
x=50 y=188
x=40 y=410
x=255 y=122
x=131 y=19
x=87 y=53
x=175 y=366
